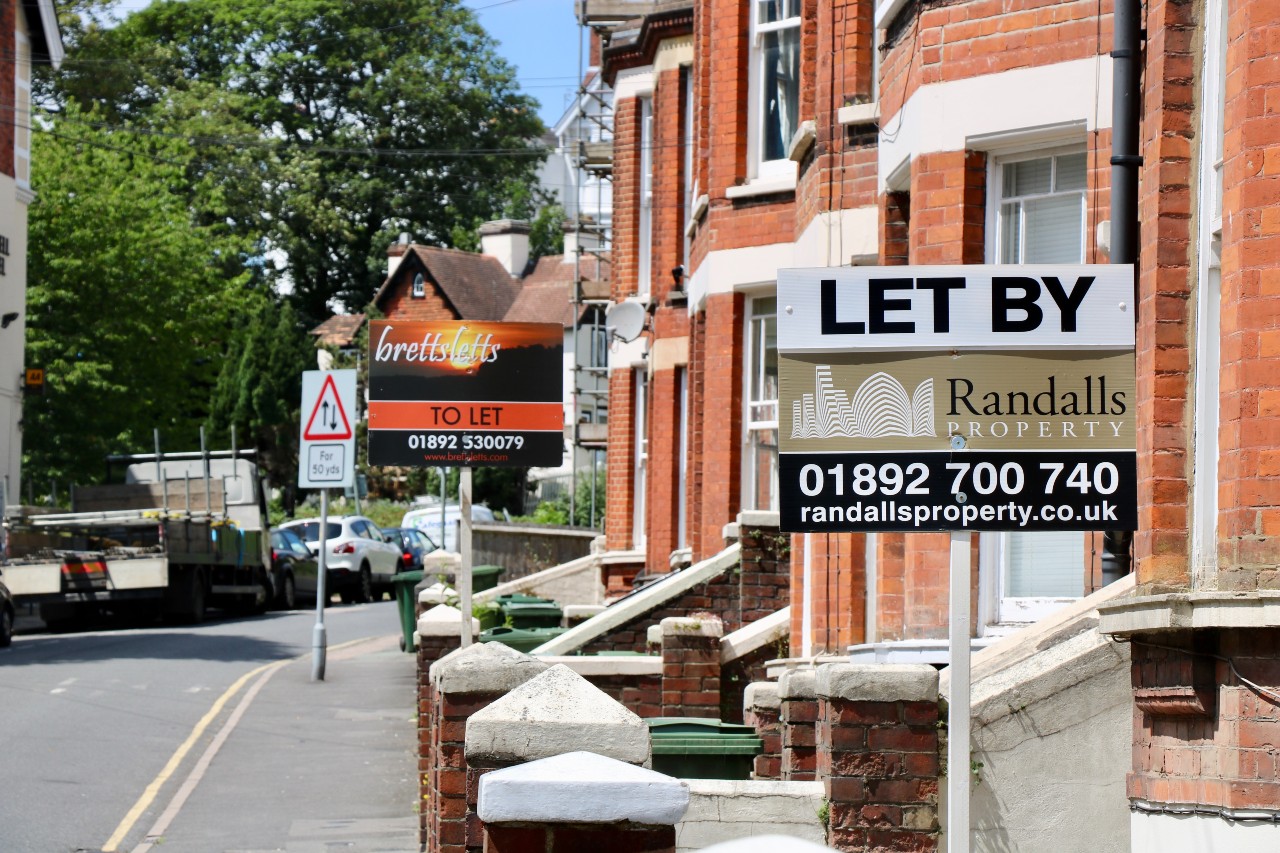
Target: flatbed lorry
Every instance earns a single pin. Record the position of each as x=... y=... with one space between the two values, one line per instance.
x=183 y=532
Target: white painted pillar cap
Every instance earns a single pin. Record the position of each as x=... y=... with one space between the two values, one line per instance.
x=581 y=787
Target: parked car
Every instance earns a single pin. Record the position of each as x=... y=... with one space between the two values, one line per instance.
x=294 y=570
x=359 y=559
x=7 y=616
x=431 y=520
x=414 y=545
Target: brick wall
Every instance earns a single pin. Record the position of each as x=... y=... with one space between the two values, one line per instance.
x=641 y=695
x=840 y=173
x=401 y=305
x=878 y=757
x=1249 y=472
x=1200 y=734
x=8 y=91
x=739 y=596
x=931 y=44
x=763 y=713
x=720 y=414
x=620 y=474
x=1163 y=358
x=691 y=667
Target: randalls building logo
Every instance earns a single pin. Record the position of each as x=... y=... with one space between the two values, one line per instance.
x=880 y=407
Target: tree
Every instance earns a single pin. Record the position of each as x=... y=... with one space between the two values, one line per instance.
x=259 y=387
x=361 y=120
x=128 y=302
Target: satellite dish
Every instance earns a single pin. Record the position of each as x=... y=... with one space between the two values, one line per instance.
x=625 y=320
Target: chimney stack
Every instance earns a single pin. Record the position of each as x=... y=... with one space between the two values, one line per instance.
x=396 y=252
x=508 y=241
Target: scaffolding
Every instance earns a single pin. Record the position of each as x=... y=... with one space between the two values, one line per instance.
x=589 y=223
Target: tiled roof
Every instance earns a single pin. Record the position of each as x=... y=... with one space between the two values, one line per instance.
x=548 y=291
x=477 y=285
x=340 y=330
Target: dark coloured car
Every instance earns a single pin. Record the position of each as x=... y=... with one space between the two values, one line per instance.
x=293 y=569
x=7 y=615
x=413 y=545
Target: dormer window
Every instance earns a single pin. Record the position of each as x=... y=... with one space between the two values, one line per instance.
x=419 y=287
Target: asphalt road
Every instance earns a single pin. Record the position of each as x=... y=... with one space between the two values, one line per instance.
x=90 y=722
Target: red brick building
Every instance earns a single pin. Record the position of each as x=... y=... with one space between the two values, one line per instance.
x=756 y=135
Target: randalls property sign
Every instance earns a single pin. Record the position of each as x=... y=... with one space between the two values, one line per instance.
x=957 y=398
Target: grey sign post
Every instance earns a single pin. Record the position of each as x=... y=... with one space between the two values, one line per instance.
x=326 y=459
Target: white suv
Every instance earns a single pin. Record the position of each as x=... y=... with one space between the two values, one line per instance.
x=360 y=559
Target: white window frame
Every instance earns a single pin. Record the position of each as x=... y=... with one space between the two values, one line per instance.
x=682 y=448
x=782 y=166
x=687 y=187
x=1204 y=497
x=995 y=607
x=419 y=287
x=641 y=448
x=756 y=413
x=995 y=200
x=644 y=242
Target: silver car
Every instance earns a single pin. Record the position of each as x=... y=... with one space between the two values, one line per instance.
x=360 y=560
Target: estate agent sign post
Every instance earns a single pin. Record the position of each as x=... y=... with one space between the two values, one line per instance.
x=462 y=393
x=957 y=398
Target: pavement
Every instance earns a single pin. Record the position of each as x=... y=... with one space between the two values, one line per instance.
x=301 y=766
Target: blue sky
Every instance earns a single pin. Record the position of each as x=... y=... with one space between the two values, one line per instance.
x=540 y=38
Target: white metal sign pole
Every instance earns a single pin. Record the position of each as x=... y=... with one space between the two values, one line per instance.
x=319 y=640
x=958 y=701
x=464 y=548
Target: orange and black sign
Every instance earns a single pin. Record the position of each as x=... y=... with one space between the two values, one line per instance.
x=466 y=393
x=34 y=380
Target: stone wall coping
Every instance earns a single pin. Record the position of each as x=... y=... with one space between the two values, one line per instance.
x=755 y=787
x=589 y=563
x=653 y=635
x=901 y=682
x=761 y=694
x=797 y=684
x=604 y=665
x=767 y=844
x=555 y=712
x=443 y=621
x=692 y=626
x=581 y=787
x=483 y=668
x=757 y=518
x=644 y=601
x=755 y=635
x=1189 y=610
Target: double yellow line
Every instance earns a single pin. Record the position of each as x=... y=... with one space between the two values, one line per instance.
x=175 y=761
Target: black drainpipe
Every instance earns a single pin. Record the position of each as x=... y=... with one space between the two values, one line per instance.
x=1126 y=90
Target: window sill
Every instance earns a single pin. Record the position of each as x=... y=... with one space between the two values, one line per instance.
x=802 y=141
x=762 y=186
x=855 y=114
x=695 y=216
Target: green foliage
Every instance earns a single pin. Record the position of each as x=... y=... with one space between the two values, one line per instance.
x=259 y=387
x=129 y=301
x=331 y=126
x=557 y=511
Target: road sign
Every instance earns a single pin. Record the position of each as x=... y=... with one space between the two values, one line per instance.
x=466 y=393
x=326 y=455
x=957 y=398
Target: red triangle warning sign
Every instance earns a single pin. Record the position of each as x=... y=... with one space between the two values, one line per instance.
x=328 y=419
